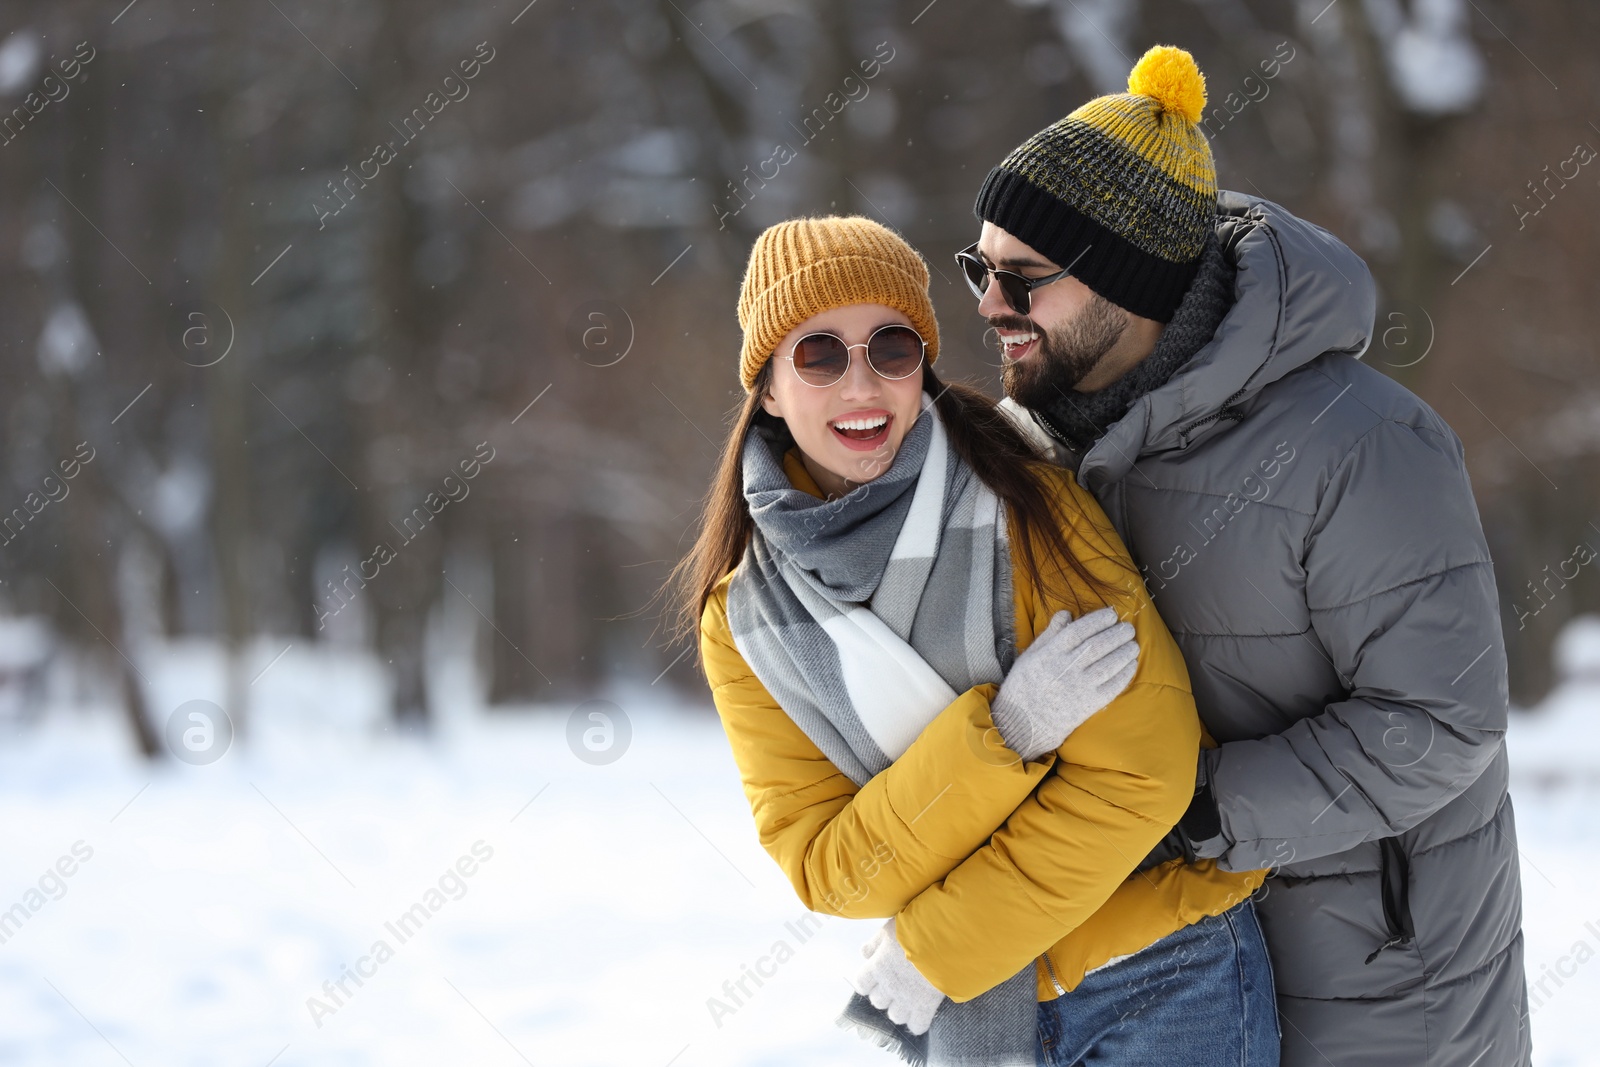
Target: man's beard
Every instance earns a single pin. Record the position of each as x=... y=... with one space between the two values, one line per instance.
x=1064 y=356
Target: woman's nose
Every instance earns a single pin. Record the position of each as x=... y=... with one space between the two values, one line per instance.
x=859 y=377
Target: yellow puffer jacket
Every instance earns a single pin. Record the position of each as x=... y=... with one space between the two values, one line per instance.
x=987 y=861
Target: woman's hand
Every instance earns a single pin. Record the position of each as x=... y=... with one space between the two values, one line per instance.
x=890 y=981
x=1069 y=672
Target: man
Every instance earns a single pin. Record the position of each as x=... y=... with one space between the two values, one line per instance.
x=1308 y=533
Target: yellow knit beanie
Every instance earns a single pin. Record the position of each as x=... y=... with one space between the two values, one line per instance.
x=804 y=267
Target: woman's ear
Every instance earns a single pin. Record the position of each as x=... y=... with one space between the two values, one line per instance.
x=769 y=403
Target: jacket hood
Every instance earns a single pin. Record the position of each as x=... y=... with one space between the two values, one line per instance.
x=1299 y=292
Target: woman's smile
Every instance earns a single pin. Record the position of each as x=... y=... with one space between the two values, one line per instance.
x=864 y=429
x=850 y=430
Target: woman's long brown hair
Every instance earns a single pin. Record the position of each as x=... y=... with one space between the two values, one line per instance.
x=979 y=432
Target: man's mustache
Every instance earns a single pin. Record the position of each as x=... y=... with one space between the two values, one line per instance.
x=1015 y=323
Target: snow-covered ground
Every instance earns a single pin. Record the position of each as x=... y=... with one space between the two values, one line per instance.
x=1555 y=767
x=572 y=913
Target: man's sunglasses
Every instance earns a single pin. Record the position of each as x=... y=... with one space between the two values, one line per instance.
x=893 y=351
x=1015 y=288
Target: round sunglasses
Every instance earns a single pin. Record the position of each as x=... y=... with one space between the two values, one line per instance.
x=1017 y=289
x=821 y=359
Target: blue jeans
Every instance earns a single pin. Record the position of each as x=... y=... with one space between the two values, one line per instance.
x=1200 y=997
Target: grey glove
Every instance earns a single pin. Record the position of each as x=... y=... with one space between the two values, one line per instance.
x=1069 y=672
x=894 y=984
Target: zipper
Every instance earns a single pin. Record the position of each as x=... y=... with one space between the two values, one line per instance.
x=1045 y=424
x=1221 y=413
x=1060 y=992
x=1394 y=879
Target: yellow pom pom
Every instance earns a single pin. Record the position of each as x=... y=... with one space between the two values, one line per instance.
x=1170 y=76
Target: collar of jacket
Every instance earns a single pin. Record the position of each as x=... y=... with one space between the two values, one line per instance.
x=1299 y=292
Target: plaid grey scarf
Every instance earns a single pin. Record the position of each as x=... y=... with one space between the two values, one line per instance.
x=866 y=616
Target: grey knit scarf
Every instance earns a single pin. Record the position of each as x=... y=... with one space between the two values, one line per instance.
x=864 y=617
x=1078 y=420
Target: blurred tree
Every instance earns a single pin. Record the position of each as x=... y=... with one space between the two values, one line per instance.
x=617 y=159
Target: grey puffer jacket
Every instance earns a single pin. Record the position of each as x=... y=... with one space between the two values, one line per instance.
x=1308 y=533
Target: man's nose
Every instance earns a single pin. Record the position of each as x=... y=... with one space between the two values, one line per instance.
x=992 y=302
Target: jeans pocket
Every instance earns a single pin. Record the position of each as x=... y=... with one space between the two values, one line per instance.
x=1266 y=960
x=1048 y=1029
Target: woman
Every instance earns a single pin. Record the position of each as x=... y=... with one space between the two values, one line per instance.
x=937 y=730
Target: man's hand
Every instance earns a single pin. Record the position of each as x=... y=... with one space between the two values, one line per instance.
x=1198 y=834
x=890 y=981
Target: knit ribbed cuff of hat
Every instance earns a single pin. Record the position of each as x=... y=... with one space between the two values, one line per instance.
x=806 y=266
x=833 y=282
x=1109 y=264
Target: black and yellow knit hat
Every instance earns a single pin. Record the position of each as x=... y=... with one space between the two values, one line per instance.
x=1123 y=189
